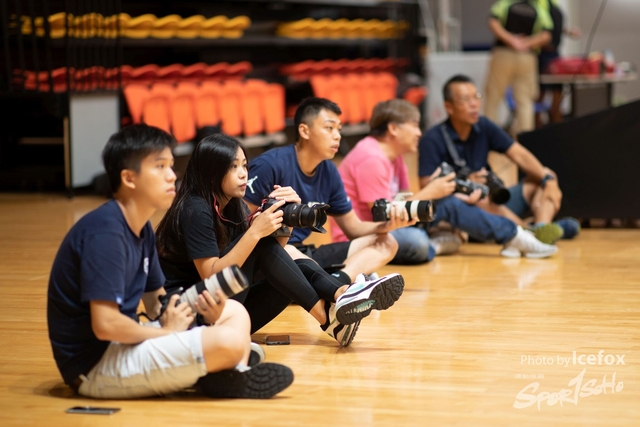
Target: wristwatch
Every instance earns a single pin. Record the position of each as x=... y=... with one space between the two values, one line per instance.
x=546 y=178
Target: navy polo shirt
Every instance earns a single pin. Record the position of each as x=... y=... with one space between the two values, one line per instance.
x=280 y=166
x=485 y=136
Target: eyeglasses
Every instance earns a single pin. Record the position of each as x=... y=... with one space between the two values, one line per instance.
x=469 y=99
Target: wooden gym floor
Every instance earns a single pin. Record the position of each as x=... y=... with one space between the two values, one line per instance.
x=469 y=334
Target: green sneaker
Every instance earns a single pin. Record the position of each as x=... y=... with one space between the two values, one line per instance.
x=548 y=233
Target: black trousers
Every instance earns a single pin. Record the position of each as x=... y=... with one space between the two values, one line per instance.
x=276 y=281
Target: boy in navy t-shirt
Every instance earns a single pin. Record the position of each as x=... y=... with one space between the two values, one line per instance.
x=108 y=263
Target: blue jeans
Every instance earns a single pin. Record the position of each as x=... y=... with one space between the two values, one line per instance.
x=413 y=246
x=480 y=225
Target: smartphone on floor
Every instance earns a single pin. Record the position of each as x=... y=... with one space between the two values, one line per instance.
x=278 y=340
x=91 y=410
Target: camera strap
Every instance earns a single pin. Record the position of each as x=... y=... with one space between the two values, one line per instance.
x=461 y=163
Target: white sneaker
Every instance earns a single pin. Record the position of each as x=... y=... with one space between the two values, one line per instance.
x=525 y=243
x=366 y=295
x=445 y=243
x=342 y=333
x=372 y=276
x=257 y=354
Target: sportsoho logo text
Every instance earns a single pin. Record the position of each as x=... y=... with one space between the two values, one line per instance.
x=577 y=387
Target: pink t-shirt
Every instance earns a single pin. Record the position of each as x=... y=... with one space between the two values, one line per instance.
x=368 y=175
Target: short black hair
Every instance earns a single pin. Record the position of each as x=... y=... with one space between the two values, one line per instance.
x=309 y=109
x=458 y=78
x=127 y=148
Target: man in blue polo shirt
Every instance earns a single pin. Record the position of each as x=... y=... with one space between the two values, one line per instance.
x=469 y=137
x=306 y=167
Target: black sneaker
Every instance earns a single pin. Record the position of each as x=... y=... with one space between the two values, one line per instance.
x=258 y=382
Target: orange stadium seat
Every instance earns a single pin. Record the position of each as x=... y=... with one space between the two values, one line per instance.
x=189 y=28
x=252 y=106
x=166 y=27
x=208 y=104
x=136 y=96
x=195 y=72
x=140 y=27
x=213 y=27
x=274 y=108
x=234 y=28
x=157 y=108
x=183 y=112
x=230 y=107
x=354 y=96
x=170 y=73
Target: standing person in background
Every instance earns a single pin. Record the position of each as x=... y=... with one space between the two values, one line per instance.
x=548 y=53
x=521 y=28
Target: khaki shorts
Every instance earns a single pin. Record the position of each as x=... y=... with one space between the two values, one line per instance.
x=154 y=367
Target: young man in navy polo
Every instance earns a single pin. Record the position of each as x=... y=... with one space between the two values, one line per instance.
x=108 y=263
x=306 y=167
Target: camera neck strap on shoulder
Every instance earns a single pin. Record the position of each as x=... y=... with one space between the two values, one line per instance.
x=460 y=162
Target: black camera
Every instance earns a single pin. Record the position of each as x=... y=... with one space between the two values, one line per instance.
x=312 y=215
x=463 y=184
x=498 y=193
x=231 y=281
x=421 y=209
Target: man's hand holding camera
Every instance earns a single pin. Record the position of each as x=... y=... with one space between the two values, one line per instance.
x=398 y=218
x=287 y=194
x=438 y=187
x=479 y=176
x=208 y=308
x=176 y=318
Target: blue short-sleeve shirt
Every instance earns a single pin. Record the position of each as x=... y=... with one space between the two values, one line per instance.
x=100 y=259
x=279 y=166
x=485 y=136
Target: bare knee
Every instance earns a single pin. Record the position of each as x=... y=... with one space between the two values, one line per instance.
x=223 y=347
x=236 y=313
x=386 y=244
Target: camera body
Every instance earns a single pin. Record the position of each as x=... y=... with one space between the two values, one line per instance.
x=421 y=209
x=312 y=215
x=495 y=188
x=463 y=184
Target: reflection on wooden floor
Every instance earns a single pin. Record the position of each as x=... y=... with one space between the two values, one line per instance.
x=470 y=333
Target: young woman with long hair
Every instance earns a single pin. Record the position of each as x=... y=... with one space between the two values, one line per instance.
x=209 y=227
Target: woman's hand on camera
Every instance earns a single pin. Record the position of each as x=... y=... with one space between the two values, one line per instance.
x=208 y=308
x=287 y=194
x=265 y=223
x=176 y=318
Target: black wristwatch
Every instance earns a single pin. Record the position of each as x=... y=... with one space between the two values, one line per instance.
x=546 y=178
